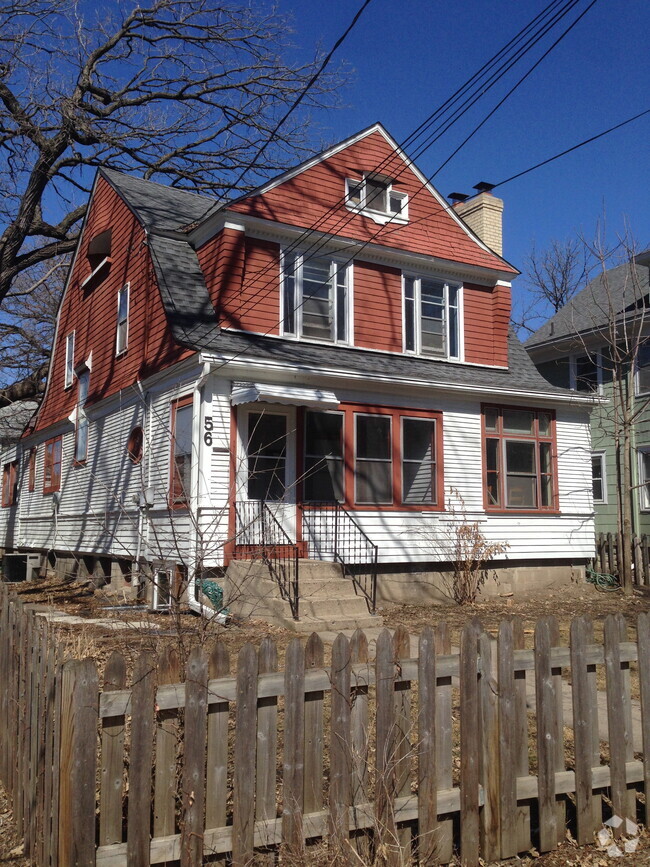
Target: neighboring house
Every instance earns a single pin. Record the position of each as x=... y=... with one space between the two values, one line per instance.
x=573 y=350
x=337 y=336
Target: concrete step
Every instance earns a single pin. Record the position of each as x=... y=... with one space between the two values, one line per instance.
x=307 y=625
x=327 y=609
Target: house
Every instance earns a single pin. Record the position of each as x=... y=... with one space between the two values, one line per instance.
x=599 y=343
x=321 y=369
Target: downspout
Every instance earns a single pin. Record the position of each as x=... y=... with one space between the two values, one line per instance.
x=196 y=496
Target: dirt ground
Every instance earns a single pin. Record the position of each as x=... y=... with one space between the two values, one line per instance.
x=147 y=631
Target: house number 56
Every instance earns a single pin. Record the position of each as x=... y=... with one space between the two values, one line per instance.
x=207 y=428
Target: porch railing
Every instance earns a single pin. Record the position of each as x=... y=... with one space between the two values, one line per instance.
x=260 y=536
x=332 y=532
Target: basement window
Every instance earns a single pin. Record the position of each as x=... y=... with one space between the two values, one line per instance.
x=375 y=197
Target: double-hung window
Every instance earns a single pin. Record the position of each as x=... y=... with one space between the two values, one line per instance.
x=586 y=372
x=324 y=464
x=122 y=339
x=519 y=463
x=598 y=477
x=52 y=465
x=69 y=360
x=81 y=429
x=431 y=317
x=315 y=298
x=181 y=452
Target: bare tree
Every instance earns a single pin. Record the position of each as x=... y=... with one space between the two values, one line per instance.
x=183 y=91
x=27 y=331
x=551 y=278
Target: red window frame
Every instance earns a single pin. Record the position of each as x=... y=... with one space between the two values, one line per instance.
x=178 y=496
x=52 y=465
x=396 y=415
x=31 y=470
x=9 y=474
x=503 y=436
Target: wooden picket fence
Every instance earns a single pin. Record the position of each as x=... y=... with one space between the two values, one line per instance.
x=608 y=556
x=395 y=761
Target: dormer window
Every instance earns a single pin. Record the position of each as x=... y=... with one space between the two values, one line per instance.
x=98 y=255
x=374 y=195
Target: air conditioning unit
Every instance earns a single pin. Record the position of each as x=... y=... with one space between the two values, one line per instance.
x=21 y=567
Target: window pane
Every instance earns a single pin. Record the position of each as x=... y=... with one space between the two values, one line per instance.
x=544 y=424
x=354 y=192
x=289 y=294
x=323 y=434
x=396 y=203
x=323 y=456
x=323 y=479
x=546 y=474
x=373 y=437
x=418 y=457
x=492 y=467
x=643 y=365
x=266 y=456
x=521 y=492
x=520 y=457
x=491 y=418
x=317 y=299
x=518 y=421
x=597 y=477
x=374 y=482
x=182 y=454
x=453 y=332
x=341 y=304
x=376 y=195
x=409 y=314
x=586 y=374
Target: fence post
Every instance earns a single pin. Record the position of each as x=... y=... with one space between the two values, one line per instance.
x=340 y=755
x=469 y=745
x=196 y=730
x=427 y=784
x=243 y=810
x=489 y=754
x=78 y=758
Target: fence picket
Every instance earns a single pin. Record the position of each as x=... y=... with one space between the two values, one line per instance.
x=427 y=784
x=112 y=759
x=627 y=710
x=216 y=798
x=582 y=732
x=143 y=693
x=385 y=829
x=547 y=735
x=359 y=740
x=313 y=795
x=560 y=803
x=444 y=742
x=243 y=810
x=619 y=736
x=507 y=740
x=340 y=756
x=267 y=741
x=79 y=701
x=403 y=748
x=294 y=750
x=469 y=745
x=196 y=730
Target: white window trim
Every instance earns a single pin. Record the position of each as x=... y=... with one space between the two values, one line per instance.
x=380 y=217
x=69 y=359
x=603 y=475
x=637 y=389
x=417 y=277
x=596 y=356
x=644 y=500
x=120 y=350
x=349 y=301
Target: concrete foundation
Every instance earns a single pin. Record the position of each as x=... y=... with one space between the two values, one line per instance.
x=419 y=585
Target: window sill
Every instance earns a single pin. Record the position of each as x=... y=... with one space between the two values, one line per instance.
x=92 y=277
x=379 y=217
x=529 y=512
x=82 y=463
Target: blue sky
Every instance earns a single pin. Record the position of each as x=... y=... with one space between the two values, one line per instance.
x=407 y=57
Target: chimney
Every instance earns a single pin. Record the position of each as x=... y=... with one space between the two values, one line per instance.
x=483 y=213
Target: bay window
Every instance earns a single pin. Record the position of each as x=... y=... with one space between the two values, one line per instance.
x=519 y=459
x=315 y=298
x=431 y=317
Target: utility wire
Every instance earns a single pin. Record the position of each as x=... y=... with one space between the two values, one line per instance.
x=320 y=243
x=303 y=93
x=574 y=148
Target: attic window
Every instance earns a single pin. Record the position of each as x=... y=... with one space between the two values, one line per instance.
x=376 y=198
x=99 y=258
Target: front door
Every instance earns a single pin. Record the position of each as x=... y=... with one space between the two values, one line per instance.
x=266 y=472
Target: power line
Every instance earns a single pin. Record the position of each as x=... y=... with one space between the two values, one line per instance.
x=304 y=91
x=574 y=148
x=319 y=244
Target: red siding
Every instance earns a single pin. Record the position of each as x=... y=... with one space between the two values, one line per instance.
x=377 y=307
x=315 y=198
x=487 y=314
x=92 y=314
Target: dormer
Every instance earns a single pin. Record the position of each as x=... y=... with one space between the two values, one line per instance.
x=376 y=196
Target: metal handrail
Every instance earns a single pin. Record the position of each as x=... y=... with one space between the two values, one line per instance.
x=258 y=533
x=332 y=530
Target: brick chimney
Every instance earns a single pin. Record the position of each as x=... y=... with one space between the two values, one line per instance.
x=483 y=213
